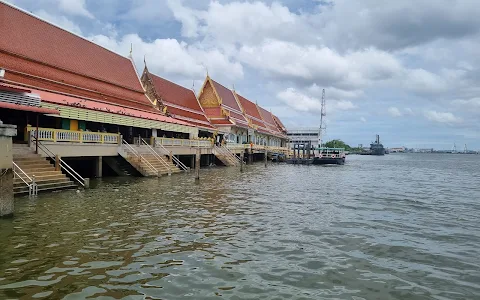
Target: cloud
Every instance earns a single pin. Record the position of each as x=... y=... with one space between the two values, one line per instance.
x=60 y=21
x=305 y=103
x=75 y=8
x=441 y=117
x=393 y=25
x=169 y=56
x=394 y=112
x=363 y=120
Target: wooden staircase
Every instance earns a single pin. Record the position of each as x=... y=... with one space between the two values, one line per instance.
x=46 y=177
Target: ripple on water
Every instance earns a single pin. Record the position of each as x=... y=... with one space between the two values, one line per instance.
x=395 y=227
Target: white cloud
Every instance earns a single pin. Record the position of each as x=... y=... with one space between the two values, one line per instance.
x=60 y=21
x=394 y=112
x=305 y=103
x=441 y=117
x=75 y=7
x=169 y=56
x=363 y=120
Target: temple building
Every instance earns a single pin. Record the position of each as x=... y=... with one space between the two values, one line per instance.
x=87 y=84
x=83 y=111
x=224 y=112
x=177 y=101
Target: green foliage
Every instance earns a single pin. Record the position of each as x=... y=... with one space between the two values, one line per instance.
x=337 y=144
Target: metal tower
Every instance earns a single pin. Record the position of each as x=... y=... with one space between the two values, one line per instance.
x=465 y=150
x=454 y=150
x=323 y=125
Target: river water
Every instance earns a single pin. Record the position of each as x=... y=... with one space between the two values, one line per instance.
x=394 y=227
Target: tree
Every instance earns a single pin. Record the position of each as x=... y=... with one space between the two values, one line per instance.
x=337 y=144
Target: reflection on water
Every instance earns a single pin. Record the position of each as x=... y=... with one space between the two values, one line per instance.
x=393 y=227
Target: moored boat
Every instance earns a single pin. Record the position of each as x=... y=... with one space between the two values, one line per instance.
x=329 y=156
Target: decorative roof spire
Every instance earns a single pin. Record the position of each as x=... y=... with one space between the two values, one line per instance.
x=131 y=50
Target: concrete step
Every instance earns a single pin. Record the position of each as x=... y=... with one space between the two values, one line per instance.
x=43 y=182
x=38 y=173
x=27 y=159
x=46 y=187
x=34 y=166
x=33 y=170
x=42 y=177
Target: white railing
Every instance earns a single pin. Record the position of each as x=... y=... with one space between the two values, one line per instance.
x=141 y=159
x=30 y=182
x=175 y=160
x=60 y=135
x=226 y=154
x=63 y=165
x=157 y=157
x=169 y=142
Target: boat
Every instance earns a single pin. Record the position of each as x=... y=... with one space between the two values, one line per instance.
x=278 y=157
x=376 y=148
x=329 y=156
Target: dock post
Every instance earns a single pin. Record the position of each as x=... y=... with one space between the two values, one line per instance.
x=197 y=165
x=57 y=162
x=170 y=156
x=192 y=163
x=266 y=156
x=98 y=167
x=242 y=154
x=6 y=169
x=250 y=156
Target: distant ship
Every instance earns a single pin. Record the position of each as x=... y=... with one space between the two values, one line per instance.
x=376 y=148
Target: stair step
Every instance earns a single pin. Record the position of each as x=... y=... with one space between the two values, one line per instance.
x=43 y=188
x=42 y=182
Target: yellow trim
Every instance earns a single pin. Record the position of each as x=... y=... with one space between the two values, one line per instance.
x=109 y=118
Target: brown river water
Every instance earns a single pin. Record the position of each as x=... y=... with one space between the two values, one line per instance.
x=395 y=227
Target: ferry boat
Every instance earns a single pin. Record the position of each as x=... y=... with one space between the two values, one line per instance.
x=329 y=156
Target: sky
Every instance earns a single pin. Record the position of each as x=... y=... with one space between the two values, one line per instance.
x=407 y=70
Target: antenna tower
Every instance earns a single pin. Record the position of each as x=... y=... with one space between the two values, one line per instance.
x=323 y=125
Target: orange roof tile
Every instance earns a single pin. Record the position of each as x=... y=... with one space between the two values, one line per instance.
x=249 y=107
x=41 y=55
x=227 y=96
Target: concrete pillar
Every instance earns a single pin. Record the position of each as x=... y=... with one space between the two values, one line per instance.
x=197 y=164
x=242 y=154
x=192 y=163
x=266 y=157
x=6 y=171
x=250 y=156
x=99 y=167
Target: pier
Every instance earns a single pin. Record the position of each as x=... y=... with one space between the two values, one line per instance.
x=78 y=117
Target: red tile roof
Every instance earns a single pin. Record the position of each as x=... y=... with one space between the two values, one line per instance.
x=227 y=96
x=94 y=105
x=40 y=110
x=269 y=121
x=279 y=123
x=41 y=55
x=249 y=107
x=180 y=101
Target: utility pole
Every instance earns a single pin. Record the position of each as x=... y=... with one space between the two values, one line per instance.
x=323 y=114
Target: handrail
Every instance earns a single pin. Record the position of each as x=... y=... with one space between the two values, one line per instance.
x=166 y=152
x=125 y=143
x=61 y=135
x=63 y=164
x=221 y=150
x=233 y=154
x=155 y=154
x=32 y=187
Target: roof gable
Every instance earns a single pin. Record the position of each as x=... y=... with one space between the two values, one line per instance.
x=226 y=96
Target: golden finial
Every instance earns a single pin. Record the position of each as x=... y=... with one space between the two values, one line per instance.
x=131 y=49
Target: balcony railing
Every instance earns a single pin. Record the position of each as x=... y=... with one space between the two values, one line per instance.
x=169 y=142
x=60 y=135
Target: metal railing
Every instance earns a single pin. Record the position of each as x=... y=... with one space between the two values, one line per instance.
x=175 y=160
x=234 y=155
x=60 y=135
x=32 y=186
x=158 y=157
x=63 y=165
x=225 y=153
x=139 y=156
